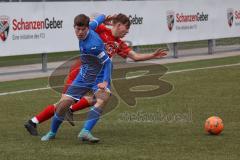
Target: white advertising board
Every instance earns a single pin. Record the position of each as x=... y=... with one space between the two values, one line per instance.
x=44 y=27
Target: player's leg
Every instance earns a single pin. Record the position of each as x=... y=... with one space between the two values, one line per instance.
x=61 y=107
x=83 y=103
x=74 y=93
x=48 y=111
x=45 y=114
x=102 y=97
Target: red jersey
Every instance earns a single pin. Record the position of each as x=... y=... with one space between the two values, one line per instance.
x=113 y=46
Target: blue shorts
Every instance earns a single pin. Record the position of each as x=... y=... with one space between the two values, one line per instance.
x=79 y=88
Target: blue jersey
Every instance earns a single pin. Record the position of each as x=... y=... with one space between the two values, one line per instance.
x=94 y=58
x=91 y=47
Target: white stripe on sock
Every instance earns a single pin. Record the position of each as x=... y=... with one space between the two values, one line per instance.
x=35 y=120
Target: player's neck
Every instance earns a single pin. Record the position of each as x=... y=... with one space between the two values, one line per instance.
x=85 y=36
x=114 y=33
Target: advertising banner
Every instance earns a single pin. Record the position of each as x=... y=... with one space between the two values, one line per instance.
x=44 y=27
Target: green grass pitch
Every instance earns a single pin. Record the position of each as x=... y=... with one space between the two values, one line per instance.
x=177 y=135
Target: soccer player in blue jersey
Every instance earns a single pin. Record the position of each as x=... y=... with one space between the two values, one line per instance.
x=94 y=60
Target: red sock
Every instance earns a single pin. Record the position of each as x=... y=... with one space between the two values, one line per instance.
x=46 y=114
x=81 y=104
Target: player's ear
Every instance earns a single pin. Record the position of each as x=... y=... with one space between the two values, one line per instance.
x=118 y=24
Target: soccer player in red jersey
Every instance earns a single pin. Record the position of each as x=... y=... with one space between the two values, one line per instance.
x=114 y=45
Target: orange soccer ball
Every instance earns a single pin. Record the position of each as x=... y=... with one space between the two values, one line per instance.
x=214 y=125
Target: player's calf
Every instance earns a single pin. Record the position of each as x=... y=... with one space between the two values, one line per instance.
x=63 y=105
x=102 y=97
x=83 y=103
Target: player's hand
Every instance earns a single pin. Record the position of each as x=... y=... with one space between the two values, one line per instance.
x=159 y=53
x=108 y=20
x=102 y=85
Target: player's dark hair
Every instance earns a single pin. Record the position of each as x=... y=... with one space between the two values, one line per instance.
x=81 y=20
x=122 y=18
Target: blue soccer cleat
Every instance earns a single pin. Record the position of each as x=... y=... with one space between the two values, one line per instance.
x=50 y=135
x=85 y=135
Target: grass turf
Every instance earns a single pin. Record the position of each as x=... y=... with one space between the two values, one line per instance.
x=124 y=133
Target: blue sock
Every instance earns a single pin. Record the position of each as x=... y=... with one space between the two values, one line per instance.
x=56 y=122
x=93 y=117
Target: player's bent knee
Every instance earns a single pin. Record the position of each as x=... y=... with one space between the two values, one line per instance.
x=103 y=95
x=101 y=102
x=63 y=105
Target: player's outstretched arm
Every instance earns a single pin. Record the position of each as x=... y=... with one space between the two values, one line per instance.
x=109 y=19
x=158 y=53
x=97 y=21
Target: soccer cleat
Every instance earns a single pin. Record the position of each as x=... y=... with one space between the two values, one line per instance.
x=69 y=117
x=31 y=128
x=50 y=135
x=85 y=135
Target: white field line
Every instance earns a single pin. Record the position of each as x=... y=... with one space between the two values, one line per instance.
x=178 y=71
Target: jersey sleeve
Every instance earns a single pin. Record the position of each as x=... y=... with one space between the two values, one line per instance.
x=100 y=53
x=123 y=49
x=105 y=60
x=97 y=21
x=101 y=28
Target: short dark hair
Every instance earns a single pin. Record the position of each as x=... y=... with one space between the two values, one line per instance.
x=122 y=18
x=81 y=20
